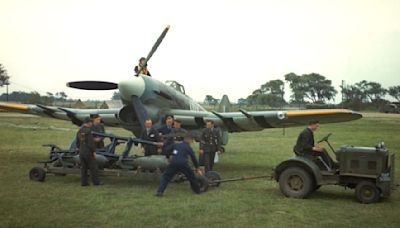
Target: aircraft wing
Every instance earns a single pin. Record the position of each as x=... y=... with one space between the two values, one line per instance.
x=258 y=120
x=76 y=116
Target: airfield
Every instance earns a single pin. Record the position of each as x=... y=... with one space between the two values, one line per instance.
x=129 y=202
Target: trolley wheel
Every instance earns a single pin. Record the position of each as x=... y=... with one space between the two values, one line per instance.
x=37 y=174
x=213 y=176
x=367 y=192
x=203 y=183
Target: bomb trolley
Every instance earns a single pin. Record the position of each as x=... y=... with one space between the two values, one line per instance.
x=64 y=162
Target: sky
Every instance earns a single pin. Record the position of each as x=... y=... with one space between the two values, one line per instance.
x=213 y=47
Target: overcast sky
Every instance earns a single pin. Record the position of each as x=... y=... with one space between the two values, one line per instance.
x=213 y=47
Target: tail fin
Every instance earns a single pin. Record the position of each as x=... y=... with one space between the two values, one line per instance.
x=225 y=105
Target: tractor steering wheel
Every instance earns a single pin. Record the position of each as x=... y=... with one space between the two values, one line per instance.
x=326 y=138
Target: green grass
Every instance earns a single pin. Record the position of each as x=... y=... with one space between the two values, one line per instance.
x=129 y=202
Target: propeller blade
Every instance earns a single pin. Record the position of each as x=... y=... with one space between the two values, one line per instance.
x=93 y=85
x=140 y=111
x=155 y=46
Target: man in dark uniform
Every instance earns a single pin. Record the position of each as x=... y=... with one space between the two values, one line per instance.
x=87 y=153
x=165 y=130
x=210 y=143
x=178 y=154
x=177 y=129
x=305 y=144
x=99 y=128
x=150 y=134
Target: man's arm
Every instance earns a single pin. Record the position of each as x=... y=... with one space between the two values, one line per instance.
x=157 y=135
x=91 y=143
x=78 y=141
x=193 y=157
x=202 y=139
x=219 y=140
x=168 y=150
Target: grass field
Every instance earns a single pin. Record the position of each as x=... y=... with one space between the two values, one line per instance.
x=129 y=202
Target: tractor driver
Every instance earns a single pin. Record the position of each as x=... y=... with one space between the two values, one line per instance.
x=305 y=144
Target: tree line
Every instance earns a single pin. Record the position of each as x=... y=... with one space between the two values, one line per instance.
x=316 y=89
x=307 y=88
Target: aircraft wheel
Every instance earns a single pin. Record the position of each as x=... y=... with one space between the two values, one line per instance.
x=37 y=174
x=203 y=182
x=296 y=182
x=213 y=176
x=367 y=192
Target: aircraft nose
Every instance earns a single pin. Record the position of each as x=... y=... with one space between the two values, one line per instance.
x=134 y=86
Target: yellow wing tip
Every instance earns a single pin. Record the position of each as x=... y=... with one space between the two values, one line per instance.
x=14 y=106
x=168 y=26
x=317 y=112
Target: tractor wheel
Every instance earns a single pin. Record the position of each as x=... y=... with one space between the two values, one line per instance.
x=213 y=176
x=37 y=174
x=296 y=182
x=203 y=183
x=316 y=187
x=367 y=192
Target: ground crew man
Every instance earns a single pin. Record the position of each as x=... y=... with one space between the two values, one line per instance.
x=87 y=153
x=210 y=143
x=99 y=128
x=166 y=129
x=177 y=129
x=141 y=68
x=150 y=134
x=178 y=154
x=305 y=144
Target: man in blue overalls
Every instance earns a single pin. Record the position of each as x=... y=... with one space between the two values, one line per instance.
x=178 y=154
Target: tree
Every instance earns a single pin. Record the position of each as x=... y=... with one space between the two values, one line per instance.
x=116 y=96
x=242 y=102
x=297 y=86
x=4 y=79
x=375 y=92
x=394 y=91
x=48 y=99
x=273 y=93
x=314 y=87
x=61 y=96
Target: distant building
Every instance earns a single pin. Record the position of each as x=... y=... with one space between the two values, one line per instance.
x=103 y=105
x=79 y=104
x=114 y=104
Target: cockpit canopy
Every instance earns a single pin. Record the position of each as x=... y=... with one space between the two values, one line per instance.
x=176 y=85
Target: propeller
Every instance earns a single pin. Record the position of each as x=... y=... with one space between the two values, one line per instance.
x=93 y=85
x=139 y=110
x=155 y=46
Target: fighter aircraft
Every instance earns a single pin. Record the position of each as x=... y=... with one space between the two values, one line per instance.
x=144 y=97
